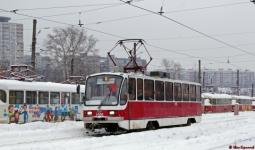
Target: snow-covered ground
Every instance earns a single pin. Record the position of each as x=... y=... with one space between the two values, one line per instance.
x=216 y=131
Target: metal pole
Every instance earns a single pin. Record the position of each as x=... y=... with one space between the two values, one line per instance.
x=199 y=71
x=33 y=44
x=203 y=88
x=252 y=89
x=237 y=82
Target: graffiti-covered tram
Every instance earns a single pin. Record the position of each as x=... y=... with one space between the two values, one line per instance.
x=22 y=101
x=131 y=101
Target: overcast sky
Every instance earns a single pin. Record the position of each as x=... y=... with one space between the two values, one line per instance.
x=231 y=21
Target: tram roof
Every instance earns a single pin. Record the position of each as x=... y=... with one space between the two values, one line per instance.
x=226 y=96
x=216 y=96
x=38 y=86
x=140 y=75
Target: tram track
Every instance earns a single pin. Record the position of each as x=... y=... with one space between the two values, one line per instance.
x=41 y=141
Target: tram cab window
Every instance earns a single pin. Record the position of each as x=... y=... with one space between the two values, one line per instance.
x=149 y=90
x=31 y=97
x=185 y=91
x=124 y=93
x=132 y=88
x=43 y=97
x=54 y=97
x=65 y=98
x=2 y=96
x=139 y=89
x=198 y=93
x=16 y=97
x=75 y=98
x=159 y=90
x=192 y=92
x=177 y=92
x=169 y=91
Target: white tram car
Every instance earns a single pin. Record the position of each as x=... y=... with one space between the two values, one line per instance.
x=22 y=101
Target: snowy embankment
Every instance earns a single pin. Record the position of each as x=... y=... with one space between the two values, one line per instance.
x=216 y=131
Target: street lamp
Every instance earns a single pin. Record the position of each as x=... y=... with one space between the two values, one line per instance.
x=40 y=30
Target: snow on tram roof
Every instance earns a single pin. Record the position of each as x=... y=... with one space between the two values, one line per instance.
x=132 y=74
x=226 y=96
x=38 y=86
x=211 y=95
x=242 y=97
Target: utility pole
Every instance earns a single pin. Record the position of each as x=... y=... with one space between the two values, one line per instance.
x=252 y=89
x=237 y=82
x=203 y=85
x=199 y=71
x=33 y=44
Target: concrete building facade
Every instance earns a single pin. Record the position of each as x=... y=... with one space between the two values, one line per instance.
x=11 y=42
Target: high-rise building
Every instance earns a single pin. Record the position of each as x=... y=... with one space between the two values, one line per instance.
x=11 y=42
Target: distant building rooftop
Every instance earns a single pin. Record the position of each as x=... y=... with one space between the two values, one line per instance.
x=4 y=19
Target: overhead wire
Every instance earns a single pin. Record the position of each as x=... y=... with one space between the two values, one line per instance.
x=59 y=22
x=110 y=34
x=75 y=13
x=169 y=12
x=190 y=28
x=63 y=7
x=102 y=32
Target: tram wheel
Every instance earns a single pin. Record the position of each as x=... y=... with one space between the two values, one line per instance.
x=188 y=122
x=152 y=125
x=111 y=128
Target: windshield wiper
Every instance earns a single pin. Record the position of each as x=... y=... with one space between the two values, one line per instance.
x=105 y=100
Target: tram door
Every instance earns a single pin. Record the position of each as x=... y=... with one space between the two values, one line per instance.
x=3 y=107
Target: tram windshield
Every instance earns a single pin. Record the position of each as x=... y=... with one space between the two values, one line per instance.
x=103 y=90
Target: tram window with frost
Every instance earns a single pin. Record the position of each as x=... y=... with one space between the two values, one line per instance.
x=22 y=101
x=130 y=101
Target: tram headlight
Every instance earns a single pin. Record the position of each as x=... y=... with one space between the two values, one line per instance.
x=89 y=113
x=111 y=112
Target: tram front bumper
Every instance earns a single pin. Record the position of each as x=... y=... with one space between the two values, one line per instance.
x=103 y=119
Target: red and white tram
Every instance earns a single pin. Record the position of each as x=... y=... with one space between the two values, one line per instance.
x=253 y=104
x=245 y=102
x=215 y=103
x=131 y=101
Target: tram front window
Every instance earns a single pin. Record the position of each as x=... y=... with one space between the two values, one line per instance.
x=103 y=90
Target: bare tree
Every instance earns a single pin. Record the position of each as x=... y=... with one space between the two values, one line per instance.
x=173 y=68
x=69 y=44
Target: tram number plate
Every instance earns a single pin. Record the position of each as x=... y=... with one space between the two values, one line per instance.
x=99 y=114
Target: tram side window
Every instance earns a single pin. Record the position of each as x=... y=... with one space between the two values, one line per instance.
x=148 y=89
x=192 y=92
x=198 y=93
x=54 y=98
x=75 y=98
x=124 y=93
x=132 y=88
x=140 y=89
x=16 y=97
x=213 y=101
x=43 y=97
x=3 y=96
x=177 y=92
x=169 y=91
x=65 y=98
x=31 y=97
x=185 y=91
x=159 y=90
